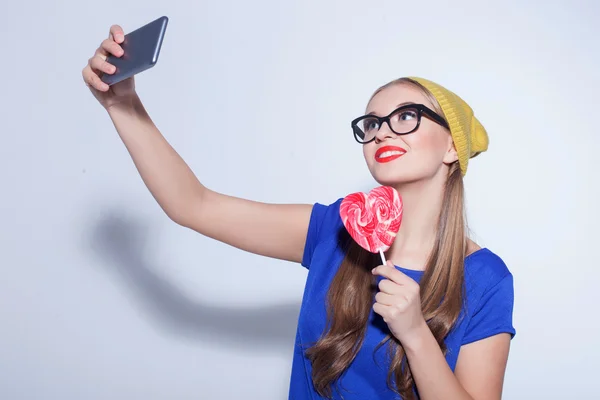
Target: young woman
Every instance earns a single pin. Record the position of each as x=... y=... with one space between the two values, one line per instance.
x=434 y=322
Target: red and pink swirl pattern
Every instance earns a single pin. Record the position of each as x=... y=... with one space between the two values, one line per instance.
x=373 y=219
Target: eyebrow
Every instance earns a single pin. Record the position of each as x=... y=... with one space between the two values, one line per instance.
x=399 y=105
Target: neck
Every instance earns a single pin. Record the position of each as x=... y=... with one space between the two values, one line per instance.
x=422 y=203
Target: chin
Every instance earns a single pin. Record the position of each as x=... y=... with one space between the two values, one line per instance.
x=393 y=177
x=399 y=174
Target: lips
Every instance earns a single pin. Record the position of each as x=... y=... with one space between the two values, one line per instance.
x=389 y=153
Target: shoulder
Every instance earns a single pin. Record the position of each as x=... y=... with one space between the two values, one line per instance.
x=485 y=268
x=325 y=227
x=488 y=281
x=328 y=208
x=489 y=290
x=486 y=275
x=325 y=218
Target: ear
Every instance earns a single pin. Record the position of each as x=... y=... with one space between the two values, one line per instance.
x=451 y=154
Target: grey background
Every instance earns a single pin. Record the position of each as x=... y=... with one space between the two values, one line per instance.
x=103 y=297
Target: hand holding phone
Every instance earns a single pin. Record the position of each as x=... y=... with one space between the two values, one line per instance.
x=141 y=49
x=109 y=72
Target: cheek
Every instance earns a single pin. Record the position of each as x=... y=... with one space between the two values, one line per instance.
x=369 y=153
x=430 y=143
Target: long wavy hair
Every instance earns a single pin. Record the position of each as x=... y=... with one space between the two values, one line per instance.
x=351 y=294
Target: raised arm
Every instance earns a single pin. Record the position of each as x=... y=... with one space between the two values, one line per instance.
x=272 y=230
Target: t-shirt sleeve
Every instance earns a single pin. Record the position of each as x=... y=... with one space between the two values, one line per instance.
x=322 y=225
x=494 y=313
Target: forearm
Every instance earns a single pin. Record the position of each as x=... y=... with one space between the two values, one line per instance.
x=167 y=176
x=433 y=377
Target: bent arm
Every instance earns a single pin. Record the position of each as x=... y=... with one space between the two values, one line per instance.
x=479 y=372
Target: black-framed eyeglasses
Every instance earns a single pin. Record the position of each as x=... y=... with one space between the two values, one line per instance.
x=402 y=121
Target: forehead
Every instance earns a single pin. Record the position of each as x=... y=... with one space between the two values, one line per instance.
x=389 y=98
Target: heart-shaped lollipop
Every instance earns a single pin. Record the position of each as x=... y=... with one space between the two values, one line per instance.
x=373 y=219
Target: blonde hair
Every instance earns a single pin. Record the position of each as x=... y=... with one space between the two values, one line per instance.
x=351 y=294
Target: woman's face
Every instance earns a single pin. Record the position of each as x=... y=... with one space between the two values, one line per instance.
x=397 y=159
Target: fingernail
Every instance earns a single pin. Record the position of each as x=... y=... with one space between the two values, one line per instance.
x=120 y=37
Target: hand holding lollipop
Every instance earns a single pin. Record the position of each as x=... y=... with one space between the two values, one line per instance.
x=373 y=220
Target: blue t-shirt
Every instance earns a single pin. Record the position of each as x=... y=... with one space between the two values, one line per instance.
x=488 y=311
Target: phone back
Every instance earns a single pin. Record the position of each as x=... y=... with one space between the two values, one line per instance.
x=141 y=50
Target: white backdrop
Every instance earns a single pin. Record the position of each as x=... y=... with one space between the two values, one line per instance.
x=103 y=297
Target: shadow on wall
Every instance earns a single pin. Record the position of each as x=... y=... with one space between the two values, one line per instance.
x=119 y=241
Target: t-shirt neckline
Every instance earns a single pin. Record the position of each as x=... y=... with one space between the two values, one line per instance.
x=421 y=271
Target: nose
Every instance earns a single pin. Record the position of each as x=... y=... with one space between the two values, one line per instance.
x=384 y=132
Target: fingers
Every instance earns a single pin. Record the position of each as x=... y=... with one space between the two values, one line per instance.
x=91 y=76
x=109 y=46
x=91 y=79
x=381 y=310
x=389 y=287
x=386 y=299
x=116 y=34
x=99 y=63
x=390 y=272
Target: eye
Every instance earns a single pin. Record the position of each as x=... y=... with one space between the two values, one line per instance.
x=407 y=115
x=370 y=124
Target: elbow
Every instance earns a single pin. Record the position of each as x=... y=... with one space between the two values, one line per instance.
x=187 y=211
x=179 y=217
x=180 y=213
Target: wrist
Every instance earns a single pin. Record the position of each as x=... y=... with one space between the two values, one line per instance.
x=130 y=105
x=414 y=339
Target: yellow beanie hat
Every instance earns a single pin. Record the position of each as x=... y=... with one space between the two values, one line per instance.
x=469 y=136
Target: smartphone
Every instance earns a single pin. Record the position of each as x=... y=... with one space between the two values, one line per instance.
x=141 y=49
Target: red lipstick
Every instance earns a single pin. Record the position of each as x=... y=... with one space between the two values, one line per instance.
x=389 y=153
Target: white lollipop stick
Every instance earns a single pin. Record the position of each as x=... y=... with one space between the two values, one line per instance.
x=383 y=261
